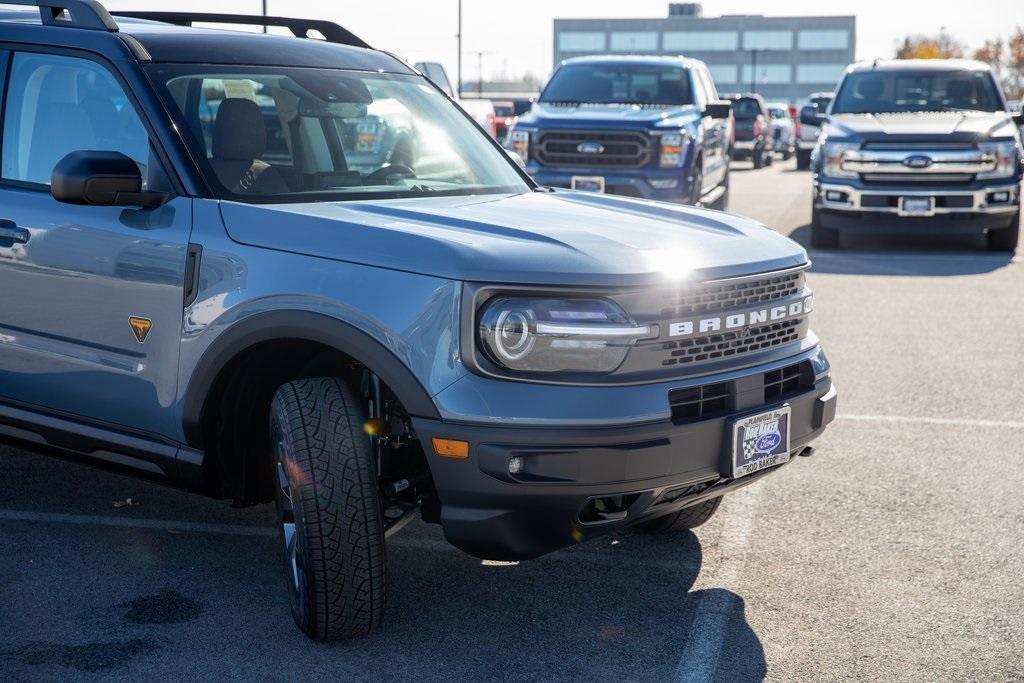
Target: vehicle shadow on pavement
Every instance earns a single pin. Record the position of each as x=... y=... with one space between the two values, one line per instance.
x=896 y=255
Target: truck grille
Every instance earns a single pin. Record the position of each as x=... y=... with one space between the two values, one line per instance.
x=899 y=163
x=616 y=150
x=729 y=344
x=717 y=297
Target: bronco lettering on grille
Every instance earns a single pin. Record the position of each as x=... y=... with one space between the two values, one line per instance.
x=738 y=321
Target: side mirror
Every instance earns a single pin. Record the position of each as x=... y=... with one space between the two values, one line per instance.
x=718 y=110
x=1018 y=119
x=101 y=179
x=514 y=156
x=809 y=116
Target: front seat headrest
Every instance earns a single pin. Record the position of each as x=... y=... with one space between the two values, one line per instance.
x=239 y=132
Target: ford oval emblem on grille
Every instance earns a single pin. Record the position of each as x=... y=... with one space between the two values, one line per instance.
x=917 y=161
x=590 y=148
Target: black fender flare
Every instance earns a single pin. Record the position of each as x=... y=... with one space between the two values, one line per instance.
x=307 y=326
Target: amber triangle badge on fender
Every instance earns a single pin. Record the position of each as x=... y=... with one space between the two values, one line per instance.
x=140 y=326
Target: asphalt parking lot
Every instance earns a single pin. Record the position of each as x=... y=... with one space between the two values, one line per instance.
x=895 y=553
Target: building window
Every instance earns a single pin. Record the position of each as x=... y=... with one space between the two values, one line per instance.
x=701 y=41
x=819 y=73
x=581 y=41
x=767 y=74
x=723 y=73
x=823 y=40
x=767 y=40
x=634 y=41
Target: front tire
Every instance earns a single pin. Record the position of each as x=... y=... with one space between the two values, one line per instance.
x=687 y=518
x=328 y=508
x=803 y=159
x=822 y=237
x=1005 y=239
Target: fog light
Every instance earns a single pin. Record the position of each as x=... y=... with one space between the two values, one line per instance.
x=998 y=197
x=664 y=183
x=515 y=464
x=835 y=196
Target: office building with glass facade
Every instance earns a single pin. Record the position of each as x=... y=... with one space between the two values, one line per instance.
x=782 y=58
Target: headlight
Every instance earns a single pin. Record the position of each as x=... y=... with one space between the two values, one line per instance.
x=557 y=335
x=671 y=150
x=519 y=142
x=832 y=156
x=1004 y=154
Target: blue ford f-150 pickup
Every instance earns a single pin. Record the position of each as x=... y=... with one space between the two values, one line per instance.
x=650 y=127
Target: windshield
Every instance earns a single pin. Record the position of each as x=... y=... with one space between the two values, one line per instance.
x=297 y=134
x=619 y=84
x=778 y=112
x=746 y=108
x=872 y=92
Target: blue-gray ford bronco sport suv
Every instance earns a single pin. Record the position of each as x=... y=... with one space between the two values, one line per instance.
x=200 y=288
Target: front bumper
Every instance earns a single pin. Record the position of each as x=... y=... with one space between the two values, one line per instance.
x=957 y=210
x=659 y=184
x=658 y=467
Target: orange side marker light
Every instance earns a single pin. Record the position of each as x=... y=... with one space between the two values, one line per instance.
x=451 y=448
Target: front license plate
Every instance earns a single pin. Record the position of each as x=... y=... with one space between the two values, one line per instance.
x=588 y=183
x=760 y=441
x=917 y=206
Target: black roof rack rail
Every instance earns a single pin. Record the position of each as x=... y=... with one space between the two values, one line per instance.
x=87 y=14
x=300 y=28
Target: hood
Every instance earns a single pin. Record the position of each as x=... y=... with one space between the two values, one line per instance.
x=963 y=125
x=623 y=114
x=531 y=238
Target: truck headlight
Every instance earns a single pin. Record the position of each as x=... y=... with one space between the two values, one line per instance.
x=671 y=150
x=557 y=335
x=1005 y=156
x=519 y=142
x=832 y=156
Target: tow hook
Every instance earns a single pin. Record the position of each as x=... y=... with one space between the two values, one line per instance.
x=807 y=452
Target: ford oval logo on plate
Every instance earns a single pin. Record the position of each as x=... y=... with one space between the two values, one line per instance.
x=590 y=148
x=766 y=443
x=917 y=161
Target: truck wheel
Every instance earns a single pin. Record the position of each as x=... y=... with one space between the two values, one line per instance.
x=328 y=509
x=822 y=237
x=803 y=159
x=687 y=518
x=1005 y=239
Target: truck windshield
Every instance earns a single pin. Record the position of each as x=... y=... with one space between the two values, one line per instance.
x=276 y=134
x=648 y=85
x=875 y=92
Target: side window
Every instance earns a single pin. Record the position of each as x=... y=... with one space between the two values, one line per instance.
x=57 y=105
x=709 y=85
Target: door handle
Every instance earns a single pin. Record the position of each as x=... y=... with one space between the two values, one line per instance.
x=10 y=232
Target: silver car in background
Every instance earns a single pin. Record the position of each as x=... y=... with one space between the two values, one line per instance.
x=782 y=129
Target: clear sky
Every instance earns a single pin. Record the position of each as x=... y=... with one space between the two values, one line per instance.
x=516 y=35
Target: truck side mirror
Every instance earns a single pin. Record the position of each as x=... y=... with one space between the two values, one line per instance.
x=718 y=110
x=1018 y=119
x=98 y=178
x=810 y=116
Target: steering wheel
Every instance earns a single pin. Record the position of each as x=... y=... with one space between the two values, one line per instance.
x=383 y=175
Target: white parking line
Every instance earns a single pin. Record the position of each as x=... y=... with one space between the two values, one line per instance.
x=951 y=421
x=717 y=604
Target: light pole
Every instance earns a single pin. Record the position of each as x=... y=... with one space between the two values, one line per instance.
x=753 y=71
x=264 y=15
x=458 y=37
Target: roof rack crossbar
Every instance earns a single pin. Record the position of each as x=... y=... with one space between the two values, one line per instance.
x=300 y=28
x=87 y=14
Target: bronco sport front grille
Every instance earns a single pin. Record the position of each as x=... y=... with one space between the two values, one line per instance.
x=717 y=297
x=616 y=150
x=728 y=344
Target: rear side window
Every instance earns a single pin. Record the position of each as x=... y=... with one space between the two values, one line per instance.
x=57 y=105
